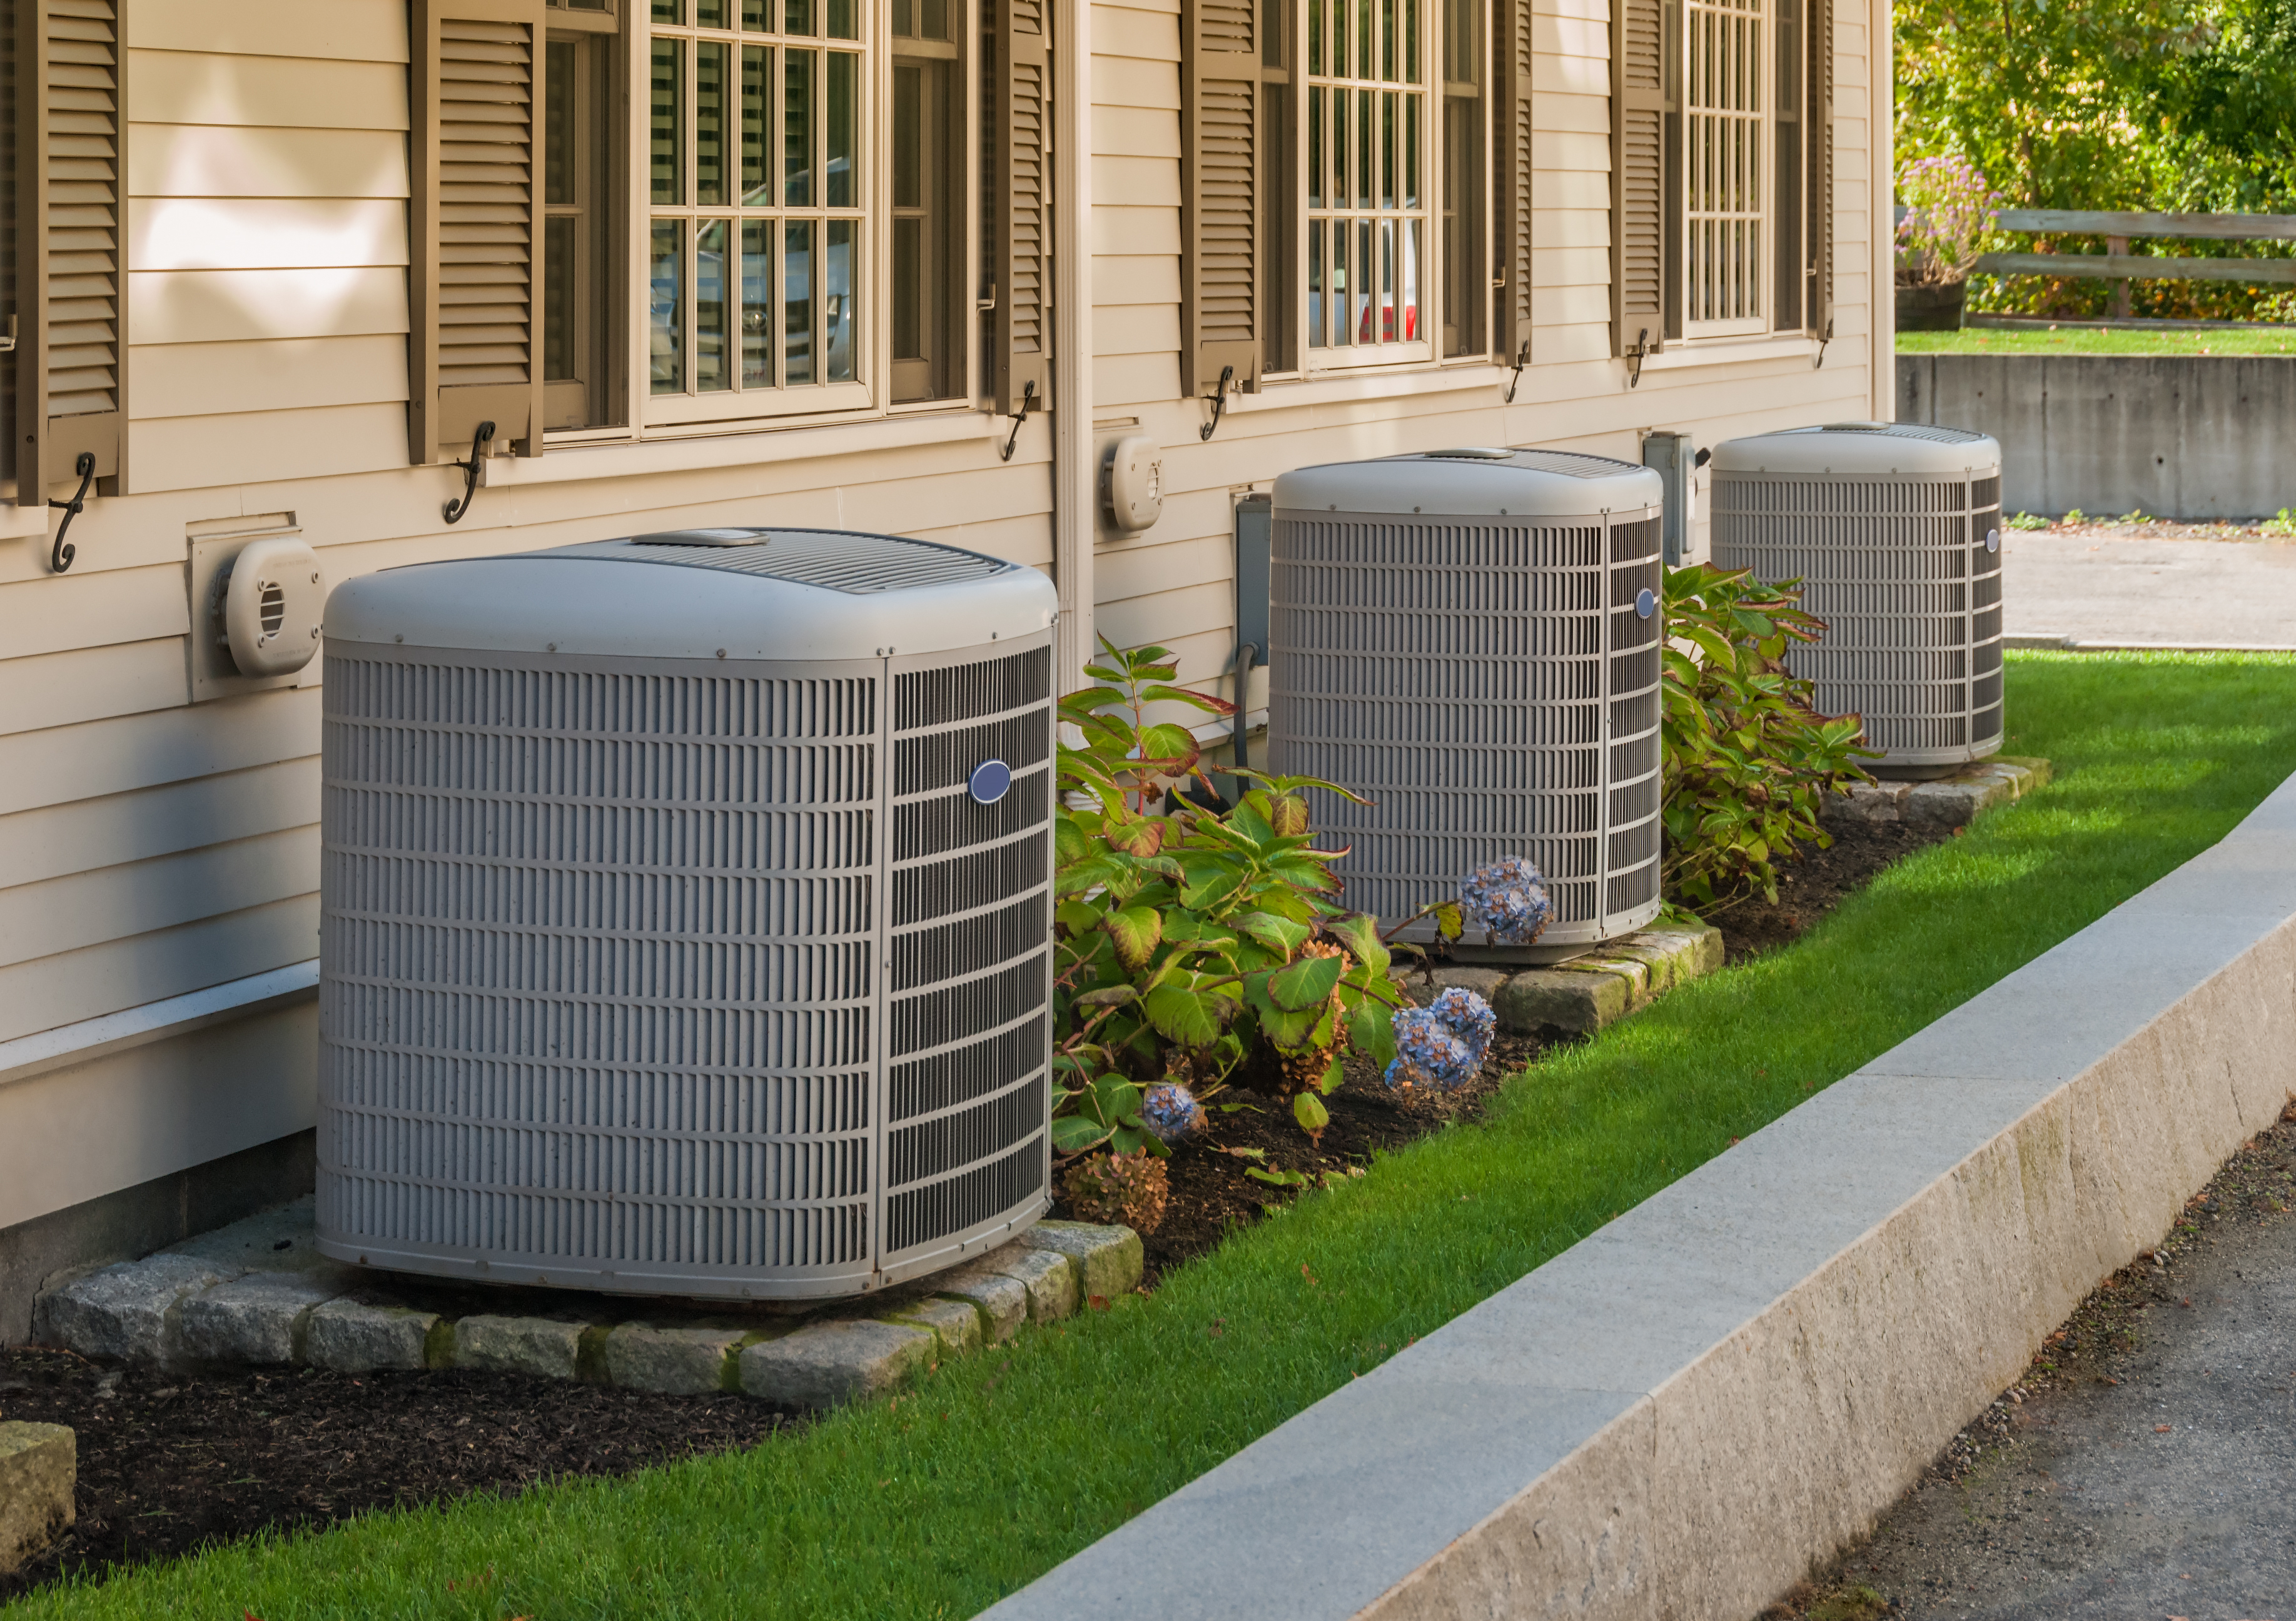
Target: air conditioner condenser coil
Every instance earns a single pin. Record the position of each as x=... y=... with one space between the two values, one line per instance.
x=1470 y=640
x=1894 y=530
x=686 y=914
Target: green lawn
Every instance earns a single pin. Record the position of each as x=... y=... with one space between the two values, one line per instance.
x=1001 y=1465
x=2094 y=340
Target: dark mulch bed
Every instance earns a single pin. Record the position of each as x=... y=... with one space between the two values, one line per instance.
x=1816 y=881
x=1213 y=1190
x=169 y=1460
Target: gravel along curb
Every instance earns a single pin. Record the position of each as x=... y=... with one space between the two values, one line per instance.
x=256 y=1293
x=1689 y=1410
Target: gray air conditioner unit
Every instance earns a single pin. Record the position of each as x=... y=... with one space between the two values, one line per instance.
x=686 y=918
x=1895 y=528
x=1470 y=640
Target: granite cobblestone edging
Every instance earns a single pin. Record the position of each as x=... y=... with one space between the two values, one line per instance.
x=257 y=1293
x=1681 y=1415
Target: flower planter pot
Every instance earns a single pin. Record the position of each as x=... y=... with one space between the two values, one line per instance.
x=1931 y=308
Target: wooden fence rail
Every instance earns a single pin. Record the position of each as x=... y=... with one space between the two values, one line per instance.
x=2117 y=263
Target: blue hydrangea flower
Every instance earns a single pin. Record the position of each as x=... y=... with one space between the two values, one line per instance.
x=1172 y=1111
x=1508 y=898
x=1440 y=1047
x=1428 y=1055
x=1467 y=1017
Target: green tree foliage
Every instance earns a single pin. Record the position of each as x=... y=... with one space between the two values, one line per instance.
x=2175 y=106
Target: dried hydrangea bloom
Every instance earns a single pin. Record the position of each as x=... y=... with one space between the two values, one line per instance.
x=1172 y=1111
x=1468 y=1016
x=1508 y=899
x=1428 y=1055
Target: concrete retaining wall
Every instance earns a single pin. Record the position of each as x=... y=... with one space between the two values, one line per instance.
x=1676 y=1417
x=2191 y=436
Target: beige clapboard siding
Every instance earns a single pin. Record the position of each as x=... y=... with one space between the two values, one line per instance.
x=1025 y=540
x=280 y=374
x=1133 y=380
x=254 y=446
x=1128 y=279
x=50 y=690
x=166 y=306
x=60 y=765
x=216 y=89
x=114 y=903
x=96 y=608
x=351 y=30
x=88 y=834
x=265 y=233
x=97 y=980
x=195 y=160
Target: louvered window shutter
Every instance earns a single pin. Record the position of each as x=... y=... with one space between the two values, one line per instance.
x=1511 y=143
x=1017 y=234
x=1819 y=190
x=1222 y=322
x=1639 y=194
x=71 y=371
x=477 y=276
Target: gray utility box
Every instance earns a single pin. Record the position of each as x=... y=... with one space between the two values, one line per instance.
x=686 y=914
x=1470 y=639
x=1895 y=530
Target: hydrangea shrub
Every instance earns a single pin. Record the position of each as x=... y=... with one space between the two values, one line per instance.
x=1748 y=756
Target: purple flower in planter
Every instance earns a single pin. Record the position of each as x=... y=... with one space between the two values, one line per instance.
x=1172 y=1111
x=1508 y=899
x=1440 y=1047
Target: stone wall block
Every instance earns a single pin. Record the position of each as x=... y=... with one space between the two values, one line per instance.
x=825 y=1364
x=1109 y=1260
x=39 y=1466
x=357 y=1336
x=257 y=1318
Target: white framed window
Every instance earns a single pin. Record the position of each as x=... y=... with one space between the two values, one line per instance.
x=1728 y=135
x=762 y=156
x=1368 y=257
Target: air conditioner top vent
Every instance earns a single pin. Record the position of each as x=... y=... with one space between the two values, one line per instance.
x=740 y=594
x=1863 y=450
x=858 y=565
x=1472 y=482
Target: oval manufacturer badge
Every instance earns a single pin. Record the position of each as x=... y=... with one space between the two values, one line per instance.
x=1645 y=602
x=1992 y=540
x=990 y=780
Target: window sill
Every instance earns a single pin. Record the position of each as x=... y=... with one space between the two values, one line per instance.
x=1730 y=351
x=694 y=452
x=1333 y=390
x=18 y=521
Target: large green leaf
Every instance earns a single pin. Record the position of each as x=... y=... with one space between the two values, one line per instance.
x=1361 y=935
x=1135 y=932
x=1306 y=984
x=1074 y=1134
x=1372 y=1030
x=1285 y=935
x=1188 y=1017
x=1309 y=1110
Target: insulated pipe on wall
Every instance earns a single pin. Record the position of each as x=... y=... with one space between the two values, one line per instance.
x=1076 y=468
x=1881 y=301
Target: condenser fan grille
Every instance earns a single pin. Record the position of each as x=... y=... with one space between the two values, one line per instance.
x=1490 y=687
x=607 y=985
x=1901 y=572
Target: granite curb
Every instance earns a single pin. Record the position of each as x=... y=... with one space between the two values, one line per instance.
x=257 y=1293
x=1689 y=1410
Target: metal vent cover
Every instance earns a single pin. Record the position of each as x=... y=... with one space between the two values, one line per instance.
x=1489 y=683
x=1901 y=557
x=678 y=976
x=833 y=558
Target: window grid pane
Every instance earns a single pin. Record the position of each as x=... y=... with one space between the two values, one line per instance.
x=765 y=214
x=1727 y=135
x=1366 y=192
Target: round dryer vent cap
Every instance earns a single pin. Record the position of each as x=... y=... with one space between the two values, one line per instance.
x=272 y=604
